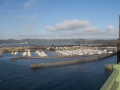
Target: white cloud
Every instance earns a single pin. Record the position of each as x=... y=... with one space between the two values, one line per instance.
x=28 y=3
x=69 y=25
x=76 y=34
x=102 y=33
x=110 y=27
x=90 y=29
x=82 y=29
x=50 y=28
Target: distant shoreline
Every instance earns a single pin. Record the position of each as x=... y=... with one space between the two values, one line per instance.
x=109 y=42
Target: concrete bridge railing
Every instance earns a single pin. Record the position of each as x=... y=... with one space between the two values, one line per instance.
x=113 y=81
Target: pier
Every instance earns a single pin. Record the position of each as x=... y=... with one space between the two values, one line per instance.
x=109 y=67
x=65 y=63
x=44 y=57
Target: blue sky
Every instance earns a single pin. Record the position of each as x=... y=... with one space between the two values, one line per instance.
x=59 y=19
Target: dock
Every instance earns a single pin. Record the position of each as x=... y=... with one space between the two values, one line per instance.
x=65 y=63
x=44 y=57
x=47 y=57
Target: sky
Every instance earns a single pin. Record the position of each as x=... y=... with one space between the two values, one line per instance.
x=59 y=19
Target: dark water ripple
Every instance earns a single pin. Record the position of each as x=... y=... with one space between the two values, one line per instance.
x=17 y=75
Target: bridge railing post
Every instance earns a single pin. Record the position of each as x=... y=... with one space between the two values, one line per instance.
x=118 y=51
x=118 y=45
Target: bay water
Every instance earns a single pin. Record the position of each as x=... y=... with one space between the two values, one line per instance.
x=18 y=75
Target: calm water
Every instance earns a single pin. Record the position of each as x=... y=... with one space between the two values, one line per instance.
x=17 y=75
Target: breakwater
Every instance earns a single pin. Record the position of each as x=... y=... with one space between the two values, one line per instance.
x=44 y=57
x=47 y=57
x=65 y=63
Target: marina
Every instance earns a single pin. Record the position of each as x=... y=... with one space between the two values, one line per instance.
x=59 y=51
x=59 y=45
x=54 y=58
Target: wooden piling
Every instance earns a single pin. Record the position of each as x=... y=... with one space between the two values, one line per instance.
x=65 y=63
x=109 y=67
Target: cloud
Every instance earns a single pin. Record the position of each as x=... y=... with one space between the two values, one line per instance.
x=50 y=28
x=69 y=25
x=94 y=33
x=74 y=29
x=28 y=3
x=81 y=29
x=110 y=27
x=98 y=34
x=91 y=28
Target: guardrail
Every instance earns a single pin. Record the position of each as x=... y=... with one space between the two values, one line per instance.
x=113 y=82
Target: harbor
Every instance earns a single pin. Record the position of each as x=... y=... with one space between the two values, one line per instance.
x=22 y=76
x=58 y=51
x=61 y=52
x=56 y=58
x=59 y=45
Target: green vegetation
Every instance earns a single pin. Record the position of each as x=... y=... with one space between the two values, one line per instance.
x=82 y=42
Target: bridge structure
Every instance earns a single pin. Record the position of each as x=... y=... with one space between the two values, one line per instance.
x=113 y=82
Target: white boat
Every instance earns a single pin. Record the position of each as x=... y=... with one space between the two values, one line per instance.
x=80 y=53
x=105 y=51
x=12 y=52
x=15 y=53
x=25 y=53
x=100 y=52
x=28 y=53
x=41 y=53
x=110 y=52
x=90 y=53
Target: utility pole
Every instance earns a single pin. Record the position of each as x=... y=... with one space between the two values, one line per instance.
x=118 y=44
